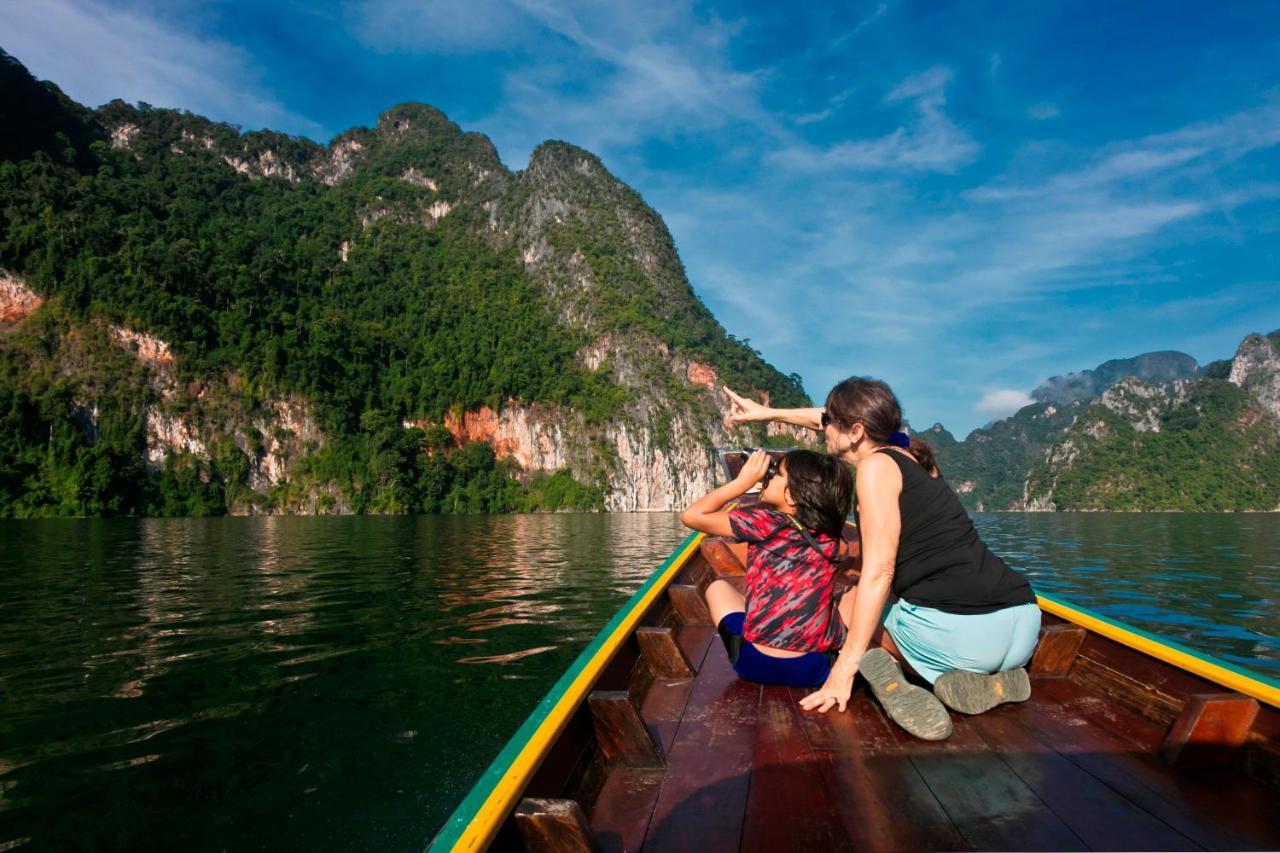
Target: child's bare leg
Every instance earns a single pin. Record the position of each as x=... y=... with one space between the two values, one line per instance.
x=723 y=599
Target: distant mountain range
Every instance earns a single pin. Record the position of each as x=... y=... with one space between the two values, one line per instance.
x=1153 y=432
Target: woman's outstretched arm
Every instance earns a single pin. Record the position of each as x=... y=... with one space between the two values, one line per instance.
x=879 y=484
x=748 y=411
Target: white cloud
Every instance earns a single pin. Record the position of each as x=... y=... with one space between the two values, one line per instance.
x=95 y=54
x=929 y=141
x=1003 y=402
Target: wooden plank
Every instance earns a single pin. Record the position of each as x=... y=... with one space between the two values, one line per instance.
x=1210 y=731
x=724 y=556
x=1100 y=816
x=991 y=807
x=665 y=656
x=695 y=641
x=704 y=797
x=554 y=825
x=624 y=807
x=621 y=733
x=1149 y=686
x=664 y=699
x=882 y=801
x=1217 y=809
x=662 y=707
x=1057 y=650
x=861 y=728
x=689 y=604
x=1121 y=685
x=789 y=806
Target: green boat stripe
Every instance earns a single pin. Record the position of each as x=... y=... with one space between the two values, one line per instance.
x=470 y=805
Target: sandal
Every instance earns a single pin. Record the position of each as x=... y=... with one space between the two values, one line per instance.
x=974 y=692
x=913 y=708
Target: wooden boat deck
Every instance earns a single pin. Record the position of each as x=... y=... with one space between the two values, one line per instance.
x=654 y=744
x=747 y=769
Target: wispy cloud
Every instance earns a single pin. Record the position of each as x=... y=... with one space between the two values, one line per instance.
x=603 y=75
x=929 y=140
x=97 y=52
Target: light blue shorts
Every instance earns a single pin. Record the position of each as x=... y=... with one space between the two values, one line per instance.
x=934 y=642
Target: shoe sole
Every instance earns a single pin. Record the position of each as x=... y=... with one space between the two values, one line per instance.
x=915 y=709
x=976 y=693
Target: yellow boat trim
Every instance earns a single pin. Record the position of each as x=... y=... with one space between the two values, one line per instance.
x=480 y=831
x=1214 y=671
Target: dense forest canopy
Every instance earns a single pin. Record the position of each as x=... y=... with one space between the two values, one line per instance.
x=353 y=291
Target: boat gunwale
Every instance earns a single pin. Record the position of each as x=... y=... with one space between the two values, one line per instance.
x=477 y=819
x=1203 y=665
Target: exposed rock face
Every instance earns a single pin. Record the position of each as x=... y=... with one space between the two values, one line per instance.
x=702 y=374
x=1151 y=367
x=998 y=457
x=1256 y=369
x=646 y=469
x=1199 y=444
x=265 y=164
x=17 y=301
x=1137 y=402
x=189 y=420
x=413 y=176
x=122 y=135
x=343 y=158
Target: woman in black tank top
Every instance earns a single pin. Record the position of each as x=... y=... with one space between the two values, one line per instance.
x=962 y=619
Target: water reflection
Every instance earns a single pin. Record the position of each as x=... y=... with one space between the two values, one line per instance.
x=340 y=682
x=218 y=683
x=1208 y=581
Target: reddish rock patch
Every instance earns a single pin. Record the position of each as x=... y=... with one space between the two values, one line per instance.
x=480 y=425
x=17 y=301
x=702 y=374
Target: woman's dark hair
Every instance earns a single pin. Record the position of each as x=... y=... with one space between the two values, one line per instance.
x=870 y=402
x=822 y=489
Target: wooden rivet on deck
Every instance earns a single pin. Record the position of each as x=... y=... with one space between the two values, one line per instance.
x=666 y=658
x=620 y=731
x=1057 y=650
x=554 y=825
x=1210 y=729
x=689 y=603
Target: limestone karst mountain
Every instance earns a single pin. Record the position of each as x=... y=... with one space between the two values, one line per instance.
x=198 y=319
x=1147 y=433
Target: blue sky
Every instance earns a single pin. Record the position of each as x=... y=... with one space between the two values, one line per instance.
x=962 y=199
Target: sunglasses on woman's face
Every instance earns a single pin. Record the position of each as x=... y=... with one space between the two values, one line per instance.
x=826 y=419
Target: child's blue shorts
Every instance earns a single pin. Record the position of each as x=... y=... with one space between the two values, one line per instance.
x=808 y=670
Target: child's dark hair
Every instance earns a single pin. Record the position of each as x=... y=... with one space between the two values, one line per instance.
x=821 y=488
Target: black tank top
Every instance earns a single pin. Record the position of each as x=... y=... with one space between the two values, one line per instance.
x=941 y=561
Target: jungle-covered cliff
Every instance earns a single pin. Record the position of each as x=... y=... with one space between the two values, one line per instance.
x=198 y=320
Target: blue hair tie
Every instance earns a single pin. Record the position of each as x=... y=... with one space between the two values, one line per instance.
x=900 y=439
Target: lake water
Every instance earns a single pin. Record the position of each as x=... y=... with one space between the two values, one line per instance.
x=338 y=683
